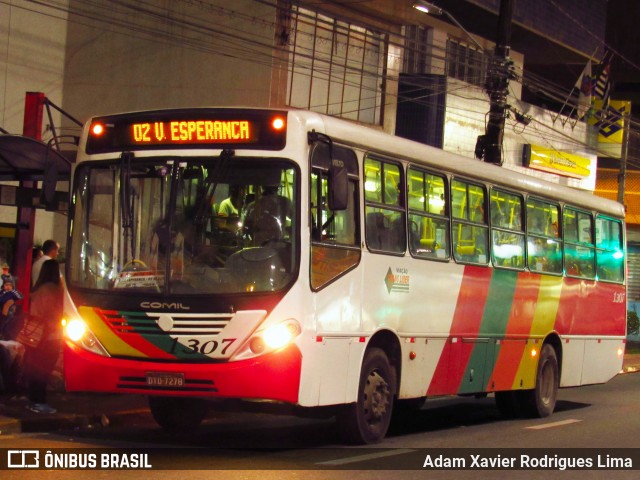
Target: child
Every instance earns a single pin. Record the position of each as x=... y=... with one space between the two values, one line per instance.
x=11 y=352
x=8 y=304
x=5 y=273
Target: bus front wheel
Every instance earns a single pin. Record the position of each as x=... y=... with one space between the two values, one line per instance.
x=367 y=420
x=176 y=414
x=541 y=401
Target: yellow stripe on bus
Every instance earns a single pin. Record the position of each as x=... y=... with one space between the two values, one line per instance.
x=114 y=344
x=544 y=319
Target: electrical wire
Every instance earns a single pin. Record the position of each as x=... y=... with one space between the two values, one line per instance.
x=185 y=29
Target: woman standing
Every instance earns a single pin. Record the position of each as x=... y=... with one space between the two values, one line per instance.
x=47 y=304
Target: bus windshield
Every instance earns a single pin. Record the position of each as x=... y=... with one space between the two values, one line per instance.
x=184 y=225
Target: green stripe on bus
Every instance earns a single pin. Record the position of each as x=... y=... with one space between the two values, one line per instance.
x=494 y=325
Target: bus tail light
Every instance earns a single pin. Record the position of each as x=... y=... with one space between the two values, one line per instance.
x=76 y=331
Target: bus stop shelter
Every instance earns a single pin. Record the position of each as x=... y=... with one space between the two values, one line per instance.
x=30 y=170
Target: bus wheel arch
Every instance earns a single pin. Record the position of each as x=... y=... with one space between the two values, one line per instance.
x=389 y=343
x=367 y=420
x=541 y=400
x=554 y=340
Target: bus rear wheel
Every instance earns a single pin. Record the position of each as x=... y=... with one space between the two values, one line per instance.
x=176 y=414
x=541 y=401
x=367 y=420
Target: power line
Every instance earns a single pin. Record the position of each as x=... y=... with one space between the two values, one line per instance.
x=192 y=31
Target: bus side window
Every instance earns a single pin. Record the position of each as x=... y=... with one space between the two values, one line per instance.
x=579 y=252
x=385 y=217
x=428 y=219
x=335 y=234
x=470 y=229
x=337 y=227
x=507 y=236
x=544 y=248
x=609 y=250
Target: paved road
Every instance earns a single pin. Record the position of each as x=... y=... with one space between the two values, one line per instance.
x=267 y=446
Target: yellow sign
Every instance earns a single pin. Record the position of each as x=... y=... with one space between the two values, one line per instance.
x=610 y=121
x=561 y=163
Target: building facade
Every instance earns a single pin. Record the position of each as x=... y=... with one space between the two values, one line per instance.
x=379 y=62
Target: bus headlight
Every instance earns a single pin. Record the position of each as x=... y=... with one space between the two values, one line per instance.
x=275 y=336
x=76 y=331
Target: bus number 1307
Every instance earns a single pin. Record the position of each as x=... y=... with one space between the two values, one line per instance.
x=201 y=346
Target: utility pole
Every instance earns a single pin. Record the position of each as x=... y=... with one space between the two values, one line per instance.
x=26 y=216
x=489 y=145
x=622 y=175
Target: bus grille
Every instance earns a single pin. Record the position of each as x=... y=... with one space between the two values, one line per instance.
x=166 y=324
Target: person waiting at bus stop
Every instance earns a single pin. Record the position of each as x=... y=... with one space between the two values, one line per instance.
x=47 y=305
x=50 y=250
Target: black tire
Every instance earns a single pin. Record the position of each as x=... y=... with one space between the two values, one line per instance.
x=367 y=420
x=508 y=404
x=541 y=401
x=176 y=414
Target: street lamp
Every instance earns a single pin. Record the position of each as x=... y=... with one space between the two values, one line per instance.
x=430 y=8
x=426 y=7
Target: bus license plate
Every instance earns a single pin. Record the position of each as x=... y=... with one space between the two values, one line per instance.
x=155 y=379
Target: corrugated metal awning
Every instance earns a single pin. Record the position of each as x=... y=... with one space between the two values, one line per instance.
x=26 y=159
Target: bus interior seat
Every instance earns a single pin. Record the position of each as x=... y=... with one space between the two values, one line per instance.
x=384 y=233
x=376 y=231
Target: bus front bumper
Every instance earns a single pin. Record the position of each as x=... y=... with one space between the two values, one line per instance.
x=273 y=376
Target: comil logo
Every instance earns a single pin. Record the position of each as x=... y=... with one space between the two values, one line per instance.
x=23 y=459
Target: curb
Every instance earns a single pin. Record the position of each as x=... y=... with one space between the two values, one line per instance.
x=62 y=421
x=10 y=425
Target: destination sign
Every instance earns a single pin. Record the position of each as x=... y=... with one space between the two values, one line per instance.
x=193 y=131
x=193 y=128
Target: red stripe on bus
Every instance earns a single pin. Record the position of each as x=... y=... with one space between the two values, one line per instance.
x=467 y=318
x=591 y=308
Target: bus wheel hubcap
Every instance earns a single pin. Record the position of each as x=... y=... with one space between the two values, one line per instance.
x=376 y=397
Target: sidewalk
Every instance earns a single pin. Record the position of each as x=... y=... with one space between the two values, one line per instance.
x=84 y=410
x=631 y=363
x=73 y=410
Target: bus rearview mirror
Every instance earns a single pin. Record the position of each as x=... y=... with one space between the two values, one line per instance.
x=338 y=186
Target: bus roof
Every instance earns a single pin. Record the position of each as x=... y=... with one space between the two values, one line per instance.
x=370 y=139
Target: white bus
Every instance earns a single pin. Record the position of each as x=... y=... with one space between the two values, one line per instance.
x=293 y=257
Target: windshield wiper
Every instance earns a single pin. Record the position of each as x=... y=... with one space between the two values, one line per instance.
x=125 y=189
x=126 y=206
x=218 y=173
